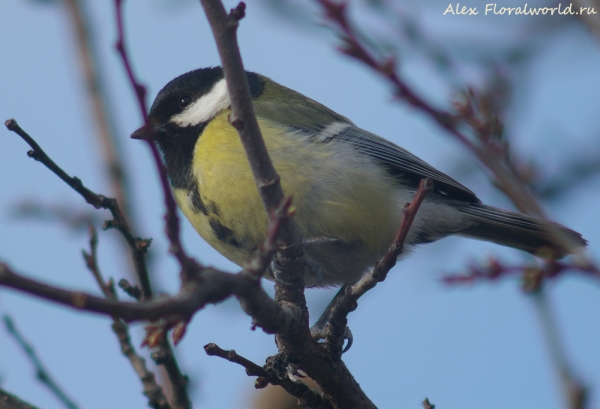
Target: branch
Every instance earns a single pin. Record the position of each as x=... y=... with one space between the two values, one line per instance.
x=493 y=156
x=192 y=296
x=337 y=14
x=137 y=246
x=67 y=215
x=98 y=103
x=172 y=225
x=224 y=28
x=165 y=354
x=156 y=398
x=347 y=302
x=211 y=286
x=10 y=401
x=575 y=393
x=532 y=274
x=428 y=405
x=41 y=372
x=338 y=385
x=306 y=396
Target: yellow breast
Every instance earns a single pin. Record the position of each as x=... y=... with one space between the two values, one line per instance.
x=337 y=193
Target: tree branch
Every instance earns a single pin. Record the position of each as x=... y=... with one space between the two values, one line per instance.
x=154 y=393
x=172 y=224
x=137 y=246
x=41 y=372
x=347 y=302
x=10 y=401
x=224 y=28
x=306 y=396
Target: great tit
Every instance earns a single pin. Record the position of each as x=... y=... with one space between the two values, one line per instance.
x=347 y=184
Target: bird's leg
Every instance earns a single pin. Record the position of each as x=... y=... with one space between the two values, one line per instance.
x=319 y=329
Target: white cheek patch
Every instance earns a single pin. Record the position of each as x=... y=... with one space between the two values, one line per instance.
x=205 y=108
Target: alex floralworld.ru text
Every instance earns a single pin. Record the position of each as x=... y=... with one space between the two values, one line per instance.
x=495 y=9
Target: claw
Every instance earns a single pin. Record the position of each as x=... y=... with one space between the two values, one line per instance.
x=348 y=336
x=294 y=374
x=319 y=329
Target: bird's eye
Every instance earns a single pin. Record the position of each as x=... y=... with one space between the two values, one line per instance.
x=184 y=101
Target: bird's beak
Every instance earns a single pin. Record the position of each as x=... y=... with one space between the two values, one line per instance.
x=148 y=133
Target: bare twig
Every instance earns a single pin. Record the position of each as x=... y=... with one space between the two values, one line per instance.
x=172 y=225
x=574 y=392
x=137 y=246
x=258 y=264
x=205 y=285
x=347 y=302
x=42 y=373
x=212 y=286
x=97 y=98
x=428 y=405
x=339 y=386
x=507 y=177
x=494 y=270
x=336 y=13
x=306 y=396
x=151 y=389
x=290 y=288
x=132 y=290
x=10 y=401
x=70 y=216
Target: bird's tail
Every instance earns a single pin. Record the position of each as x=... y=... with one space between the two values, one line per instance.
x=539 y=237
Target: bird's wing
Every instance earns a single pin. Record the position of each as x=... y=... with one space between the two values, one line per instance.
x=403 y=164
x=318 y=123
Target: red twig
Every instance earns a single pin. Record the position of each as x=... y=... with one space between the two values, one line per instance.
x=347 y=302
x=531 y=273
x=172 y=225
x=337 y=14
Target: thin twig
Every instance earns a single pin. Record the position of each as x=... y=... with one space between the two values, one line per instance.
x=151 y=389
x=243 y=119
x=213 y=286
x=258 y=264
x=42 y=373
x=494 y=270
x=137 y=246
x=97 y=97
x=347 y=302
x=73 y=217
x=507 y=177
x=574 y=392
x=172 y=225
x=207 y=286
x=10 y=401
x=306 y=396
x=428 y=405
x=337 y=13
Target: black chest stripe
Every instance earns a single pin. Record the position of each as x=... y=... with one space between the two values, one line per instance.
x=224 y=234
x=177 y=145
x=194 y=195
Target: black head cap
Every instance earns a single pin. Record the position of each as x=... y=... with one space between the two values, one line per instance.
x=180 y=92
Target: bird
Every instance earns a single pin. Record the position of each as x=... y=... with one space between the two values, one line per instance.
x=348 y=185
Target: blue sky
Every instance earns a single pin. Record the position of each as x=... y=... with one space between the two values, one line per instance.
x=467 y=347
